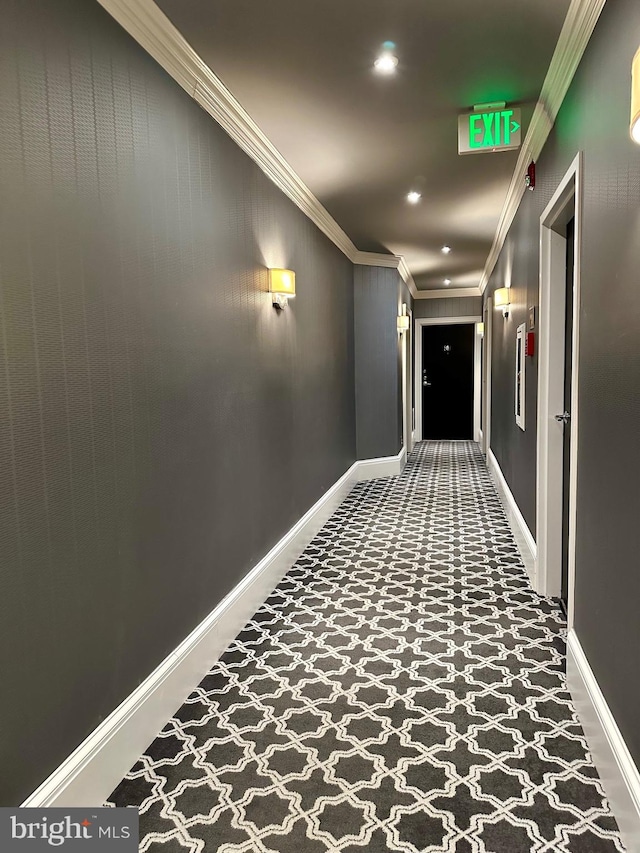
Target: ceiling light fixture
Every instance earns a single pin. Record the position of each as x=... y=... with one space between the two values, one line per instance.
x=447 y=282
x=413 y=197
x=386 y=63
x=445 y=250
x=634 y=127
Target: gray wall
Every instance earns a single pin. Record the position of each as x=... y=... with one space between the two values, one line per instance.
x=162 y=424
x=378 y=293
x=461 y=306
x=594 y=118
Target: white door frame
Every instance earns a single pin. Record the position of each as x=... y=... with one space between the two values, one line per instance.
x=446 y=321
x=407 y=431
x=486 y=367
x=566 y=201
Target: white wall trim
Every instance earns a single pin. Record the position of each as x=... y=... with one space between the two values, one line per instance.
x=618 y=772
x=92 y=771
x=376 y=259
x=477 y=386
x=405 y=275
x=154 y=32
x=417 y=376
x=521 y=533
x=579 y=24
x=396 y=262
x=487 y=366
x=383 y=466
x=551 y=357
x=456 y=293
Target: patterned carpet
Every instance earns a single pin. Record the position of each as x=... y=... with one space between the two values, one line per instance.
x=402 y=690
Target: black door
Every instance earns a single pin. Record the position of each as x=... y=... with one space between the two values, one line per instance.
x=447 y=381
x=566 y=452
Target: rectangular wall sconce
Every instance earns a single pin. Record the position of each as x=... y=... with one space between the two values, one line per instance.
x=282 y=286
x=502 y=299
x=634 y=127
x=480 y=329
x=403 y=320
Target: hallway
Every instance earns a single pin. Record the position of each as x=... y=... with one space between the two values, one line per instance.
x=402 y=690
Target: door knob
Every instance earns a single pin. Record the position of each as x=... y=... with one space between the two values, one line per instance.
x=563 y=418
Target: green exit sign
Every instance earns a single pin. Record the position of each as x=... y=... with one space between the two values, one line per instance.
x=489 y=130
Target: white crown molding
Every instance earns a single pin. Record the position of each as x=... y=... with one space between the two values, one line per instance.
x=396 y=262
x=448 y=294
x=153 y=31
x=375 y=259
x=405 y=273
x=578 y=27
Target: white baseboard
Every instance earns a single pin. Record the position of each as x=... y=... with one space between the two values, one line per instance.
x=92 y=771
x=521 y=533
x=384 y=466
x=611 y=757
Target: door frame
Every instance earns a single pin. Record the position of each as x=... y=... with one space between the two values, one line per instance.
x=566 y=201
x=446 y=321
x=406 y=384
x=486 y=374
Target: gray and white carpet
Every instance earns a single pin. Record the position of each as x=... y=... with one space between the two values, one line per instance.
x=402 y=690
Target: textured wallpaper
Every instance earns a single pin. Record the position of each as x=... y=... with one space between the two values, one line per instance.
x=162 y=425
x=594 y=119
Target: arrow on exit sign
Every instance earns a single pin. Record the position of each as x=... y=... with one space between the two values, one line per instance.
x=489 y=130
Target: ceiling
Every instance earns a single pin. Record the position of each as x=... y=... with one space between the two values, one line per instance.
x=361 y=141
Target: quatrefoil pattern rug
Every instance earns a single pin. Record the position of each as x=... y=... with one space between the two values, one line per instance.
x=403 y=689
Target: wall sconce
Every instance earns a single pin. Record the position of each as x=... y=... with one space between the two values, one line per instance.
x=403 y=320
x=480 y=329
x=634 y=127
x=502 y=299
x=282 y=285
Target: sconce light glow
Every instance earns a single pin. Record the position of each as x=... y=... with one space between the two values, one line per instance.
x=403 y=322
x=635 y=98
x=413 y=197
x=445 y=250
x=447 y=282
x=480 y=329
x=282 y=286
x=386 y=63
x=502 y=299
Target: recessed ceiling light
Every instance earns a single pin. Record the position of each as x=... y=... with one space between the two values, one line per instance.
x=386 y=63
x=413 y=197
x=447 y=281
x=445 y=250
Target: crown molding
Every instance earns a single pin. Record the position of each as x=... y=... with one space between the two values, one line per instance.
x=376 y=259
x=154 y=32
x=448 y=294
x=577 y=29
x=405 y=273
